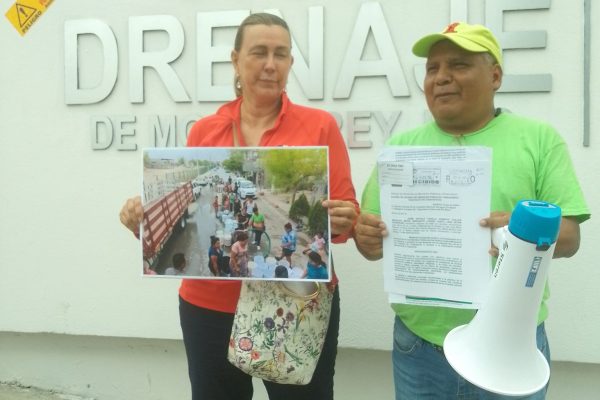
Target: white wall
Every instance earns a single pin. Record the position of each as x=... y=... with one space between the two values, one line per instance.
x=67 y=265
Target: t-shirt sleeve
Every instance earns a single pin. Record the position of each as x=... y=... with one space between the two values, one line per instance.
x=370 y=196
x=557 y=181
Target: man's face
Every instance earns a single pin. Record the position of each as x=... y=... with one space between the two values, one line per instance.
x=460 y=87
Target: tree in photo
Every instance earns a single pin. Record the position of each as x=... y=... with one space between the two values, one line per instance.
x=317 y=218
x=235 y=162
x=300 y=208
x=292 y=169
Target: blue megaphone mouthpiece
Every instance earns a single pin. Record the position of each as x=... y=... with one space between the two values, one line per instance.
x=536 y=222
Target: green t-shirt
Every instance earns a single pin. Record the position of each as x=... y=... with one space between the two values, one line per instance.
x=530 y=161
x=258 y=219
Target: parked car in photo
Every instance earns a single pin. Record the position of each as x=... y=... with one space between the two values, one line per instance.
x=246 y=188
x=201 y=180
x=197 y=189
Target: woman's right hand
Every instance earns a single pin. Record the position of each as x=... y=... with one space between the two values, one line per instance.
x=132 y=214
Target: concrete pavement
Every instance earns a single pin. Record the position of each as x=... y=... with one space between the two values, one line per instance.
x=17 y=392
x=276 y=214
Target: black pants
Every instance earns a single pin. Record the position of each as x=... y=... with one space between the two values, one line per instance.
x=206 y=338
x=257 y=236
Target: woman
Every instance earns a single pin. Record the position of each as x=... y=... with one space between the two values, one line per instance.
x=147 y=269
x=249 y=204
x=257 y=223
x=215 y=256
x=215 y=205
x=262 y=115
x=238 y=261
x=315 y=268
x=226 y=203
x=317 y=245
x=237 y=206
x=242 y=221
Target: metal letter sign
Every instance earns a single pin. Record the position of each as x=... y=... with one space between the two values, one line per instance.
x=370 y=28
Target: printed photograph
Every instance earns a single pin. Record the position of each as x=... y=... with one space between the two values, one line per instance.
x=236 y=213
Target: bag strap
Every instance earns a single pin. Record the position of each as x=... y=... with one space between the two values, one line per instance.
x=234 y=132
x=317 y=288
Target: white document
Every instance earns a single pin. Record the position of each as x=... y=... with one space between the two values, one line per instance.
x=432 y=199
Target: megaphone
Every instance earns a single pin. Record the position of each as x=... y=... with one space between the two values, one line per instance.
x=497 y=350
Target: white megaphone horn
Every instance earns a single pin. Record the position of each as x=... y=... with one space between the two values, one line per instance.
x=497 y=350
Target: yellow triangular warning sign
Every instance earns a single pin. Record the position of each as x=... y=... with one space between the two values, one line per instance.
x=24 y=13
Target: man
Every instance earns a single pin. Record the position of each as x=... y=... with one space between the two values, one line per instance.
x=257 y=223
x=530 y=161
x=179 y=264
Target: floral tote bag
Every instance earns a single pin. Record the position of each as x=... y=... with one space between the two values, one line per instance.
x=278 y=332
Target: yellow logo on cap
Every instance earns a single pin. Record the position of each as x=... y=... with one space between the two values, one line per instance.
x=23 y=14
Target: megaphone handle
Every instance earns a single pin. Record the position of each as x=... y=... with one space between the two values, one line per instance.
x=499 y=236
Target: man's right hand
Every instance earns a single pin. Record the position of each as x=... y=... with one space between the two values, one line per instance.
x=132 y=214
x=368 y=236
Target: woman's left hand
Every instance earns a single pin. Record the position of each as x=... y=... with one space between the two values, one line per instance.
x=342 y=215
x=132 y=214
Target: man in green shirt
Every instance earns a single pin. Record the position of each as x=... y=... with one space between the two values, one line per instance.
x=530 y=161
x=257 y=223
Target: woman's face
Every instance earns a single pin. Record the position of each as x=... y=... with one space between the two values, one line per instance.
x=263 y=62
x=217 y=244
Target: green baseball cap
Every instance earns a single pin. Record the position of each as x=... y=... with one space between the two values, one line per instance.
x=474 y=38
